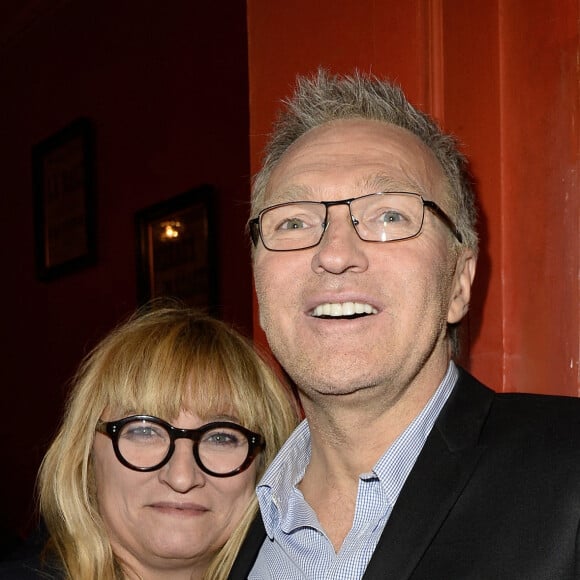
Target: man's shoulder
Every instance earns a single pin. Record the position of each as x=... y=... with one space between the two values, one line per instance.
x=542 y=404
x=551 y=417
x=532 y=402
x=521 y=398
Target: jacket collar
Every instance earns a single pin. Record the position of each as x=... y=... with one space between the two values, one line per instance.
x=249 y=550
x=440 y=474
x=438 y=478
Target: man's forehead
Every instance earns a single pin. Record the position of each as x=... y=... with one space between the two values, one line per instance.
x=372 y=183
x=372 y=155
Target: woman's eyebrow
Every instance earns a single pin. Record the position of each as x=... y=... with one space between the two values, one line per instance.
x=221 y=417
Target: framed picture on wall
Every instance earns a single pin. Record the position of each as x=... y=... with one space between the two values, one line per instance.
x=176 y=250
x=64 y=201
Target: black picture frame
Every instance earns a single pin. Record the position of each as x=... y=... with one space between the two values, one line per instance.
x=63 y=174
x=176 y=250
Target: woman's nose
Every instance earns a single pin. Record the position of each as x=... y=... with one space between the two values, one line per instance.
x=182 y=472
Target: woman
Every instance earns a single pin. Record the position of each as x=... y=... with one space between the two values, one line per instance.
x=121 y=492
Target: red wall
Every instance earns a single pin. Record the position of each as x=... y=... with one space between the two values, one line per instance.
x=502 y=75
x=511 y=91
x=165 y=85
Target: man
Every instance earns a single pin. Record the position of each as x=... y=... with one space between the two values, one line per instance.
x=405 y=467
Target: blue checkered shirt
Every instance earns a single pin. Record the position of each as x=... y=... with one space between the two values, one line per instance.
x=296 y=547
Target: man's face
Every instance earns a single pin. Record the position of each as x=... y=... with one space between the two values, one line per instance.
x=413 y=288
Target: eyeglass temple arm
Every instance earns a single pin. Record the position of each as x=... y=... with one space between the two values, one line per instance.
x=101 y=427
x=254 y=227
x=444 y=218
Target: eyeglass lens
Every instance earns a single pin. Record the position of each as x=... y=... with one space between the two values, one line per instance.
x=379 y=217
x=145 y=444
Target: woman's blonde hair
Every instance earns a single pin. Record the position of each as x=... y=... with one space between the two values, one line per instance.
x=162 y=360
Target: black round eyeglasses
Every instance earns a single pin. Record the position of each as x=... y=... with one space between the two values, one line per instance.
x=146 y=443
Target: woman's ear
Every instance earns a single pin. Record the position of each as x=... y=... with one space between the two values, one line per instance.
x=461 y=286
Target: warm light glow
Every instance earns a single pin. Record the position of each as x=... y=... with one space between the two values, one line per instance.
x=170 y=230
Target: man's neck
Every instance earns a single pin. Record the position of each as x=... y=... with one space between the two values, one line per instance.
x=349 y=434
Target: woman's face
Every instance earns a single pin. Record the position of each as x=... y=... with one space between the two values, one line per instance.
x=175 y=517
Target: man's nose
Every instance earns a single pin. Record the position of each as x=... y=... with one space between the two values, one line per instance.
x=340 y=248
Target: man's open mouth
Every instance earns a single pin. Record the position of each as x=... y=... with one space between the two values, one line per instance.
x=343 y=310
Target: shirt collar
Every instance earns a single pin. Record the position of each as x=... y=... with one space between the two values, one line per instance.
x=394 y=466
x=288 y=467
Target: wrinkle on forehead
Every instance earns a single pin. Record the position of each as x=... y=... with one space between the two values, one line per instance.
x=379 y=183
x=409 y=165
x=382 y=182
x=292 y=192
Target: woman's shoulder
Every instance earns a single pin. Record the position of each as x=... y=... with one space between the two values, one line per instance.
x=28 y=559
x=30 y=569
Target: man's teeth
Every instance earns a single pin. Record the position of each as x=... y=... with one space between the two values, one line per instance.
x=343 y=309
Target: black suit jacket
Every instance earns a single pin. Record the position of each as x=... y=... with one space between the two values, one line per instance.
x=494 y=495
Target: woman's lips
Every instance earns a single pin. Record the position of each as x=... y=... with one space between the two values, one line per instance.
x=177 y=508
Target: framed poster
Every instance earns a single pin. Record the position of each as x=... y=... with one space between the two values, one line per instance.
x=176 y=250
x=64 y=201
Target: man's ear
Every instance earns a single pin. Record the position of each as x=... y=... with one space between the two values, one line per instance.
x=461 y=286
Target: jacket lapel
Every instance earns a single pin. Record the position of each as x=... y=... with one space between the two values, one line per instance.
x=438 y=478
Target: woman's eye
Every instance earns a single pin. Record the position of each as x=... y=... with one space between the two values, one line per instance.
x=141 y=432
x=222 y=439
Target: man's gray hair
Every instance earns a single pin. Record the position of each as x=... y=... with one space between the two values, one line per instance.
x=324 y=98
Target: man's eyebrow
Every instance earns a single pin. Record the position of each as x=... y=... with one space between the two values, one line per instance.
x=383 y=182
x=289 y=194
x=370 y=184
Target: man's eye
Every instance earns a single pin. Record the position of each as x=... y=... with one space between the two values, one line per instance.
x=392 y=216
x=292 y=224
